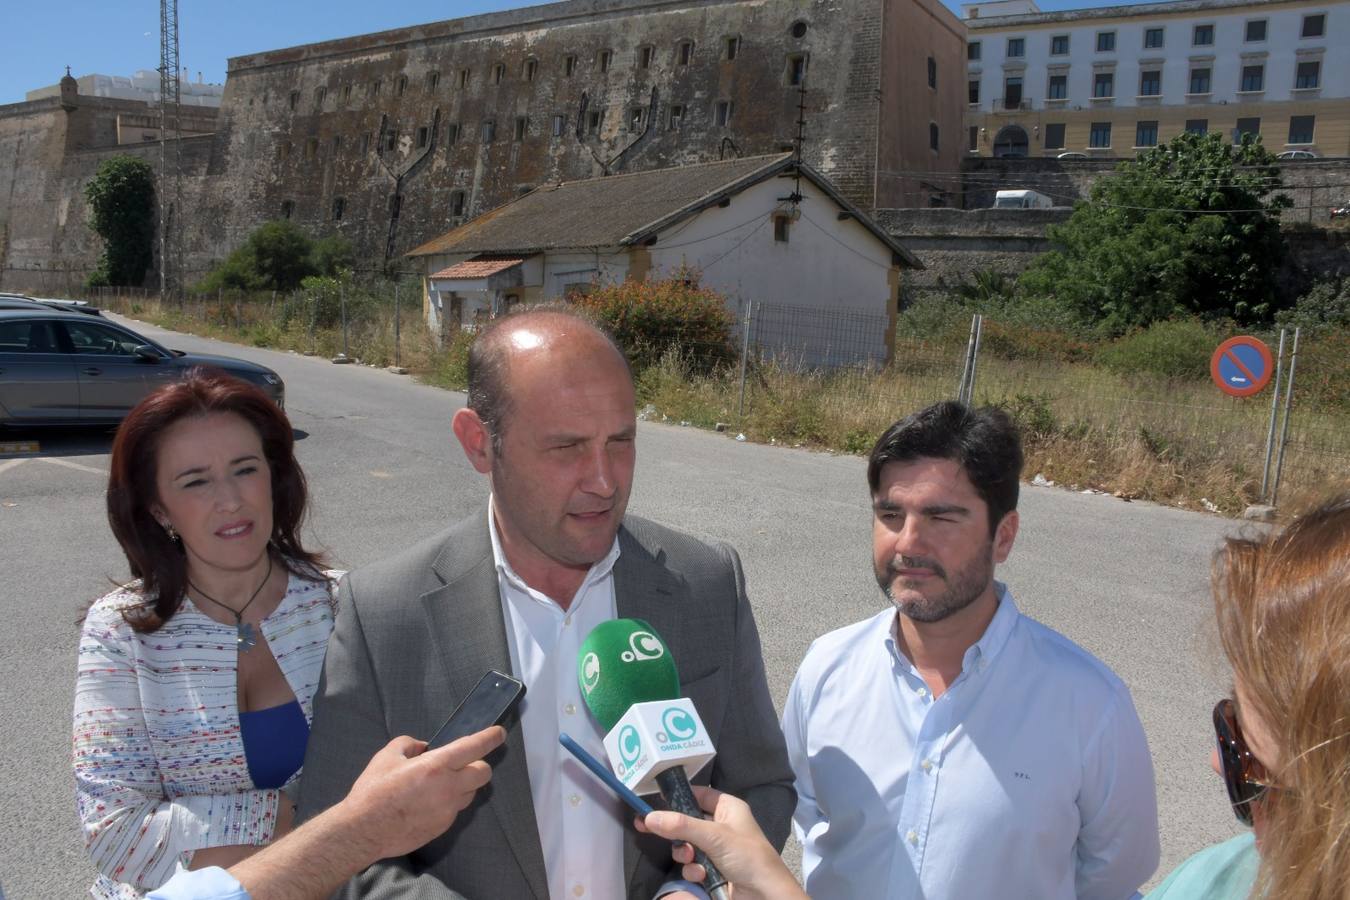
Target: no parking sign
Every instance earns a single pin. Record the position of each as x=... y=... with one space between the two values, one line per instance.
x=1241 y=366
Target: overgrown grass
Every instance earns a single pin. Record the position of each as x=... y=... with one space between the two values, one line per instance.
x=1173 y=440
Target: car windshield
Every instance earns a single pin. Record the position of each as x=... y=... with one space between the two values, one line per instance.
x=1008 y=203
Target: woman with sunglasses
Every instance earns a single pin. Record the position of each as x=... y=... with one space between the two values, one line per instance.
x=1283 y=607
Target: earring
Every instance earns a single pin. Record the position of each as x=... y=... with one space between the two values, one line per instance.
x=169 y=530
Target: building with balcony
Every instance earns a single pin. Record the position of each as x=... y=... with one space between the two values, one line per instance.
x=1114 y=81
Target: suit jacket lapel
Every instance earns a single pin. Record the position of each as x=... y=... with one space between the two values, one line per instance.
x=645 y=589
x=468 y=630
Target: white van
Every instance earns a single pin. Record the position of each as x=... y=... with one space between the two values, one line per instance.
x=1022 y=200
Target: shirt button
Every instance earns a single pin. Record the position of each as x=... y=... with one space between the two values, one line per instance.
x=577 y=890
x=922 y=692
x=567 y=620
x=570 y=709
x=575 y=800
x=913 y=837
x=927 y=765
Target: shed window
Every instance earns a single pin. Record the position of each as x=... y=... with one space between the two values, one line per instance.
x=781 y=225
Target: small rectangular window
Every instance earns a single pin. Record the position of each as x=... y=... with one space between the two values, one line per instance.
x=606 y=56
x=463 y=78
x=531 y=66
x=1059 y=45
x=390 y=140
x=594 y=120
x=522 y=127
x=973 y=138
x=489 y=131
x=780 y=229
x=1255 y=31
x=498 y=73
x=1153 y=38
x=1017 y=48
x=1199 y=81
x=1054 y=136
x=973 y=51
x=1314 y=26
x=1250 y=126
x=423 y=136
x=733 y=47
x=1253 y=79
x=932 y=72
x=1150 y=83
x=1301 y=129
x=973 y=91
x=676 y=116
x=1146 y=134
x=401 y=86
x=1104 y=84
x=1197 y=126
x=320 y=94
x=1012 y=92
x=451 y=134
x=722 y=114
x=1099 y=137
x=559 y=126
x=635 y=117
x=1308 y=75
x=686 y=52
x=287 y=208
x=932 y=136
x=1106 y=41
x=339 y=207
x=433 y=80
x=456 y=203
x=645 y=57
x=796 y=69
x=346 y=93
x=1203 y=36
x=569 y=66
x=295 y=99
x=374 y=89
x=1057 y=87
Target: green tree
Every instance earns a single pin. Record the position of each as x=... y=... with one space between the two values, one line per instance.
x=121 y=200
x=1188 y=228
x=276 y=256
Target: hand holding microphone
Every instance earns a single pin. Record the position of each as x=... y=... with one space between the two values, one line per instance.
x=655 y=738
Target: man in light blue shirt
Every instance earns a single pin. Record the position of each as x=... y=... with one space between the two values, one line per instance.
x=950 y=747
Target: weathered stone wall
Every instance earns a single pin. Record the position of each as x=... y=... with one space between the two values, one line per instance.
x=368 y=119
x=954 y=244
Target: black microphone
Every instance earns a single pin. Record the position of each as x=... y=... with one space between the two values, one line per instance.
x=630 y=685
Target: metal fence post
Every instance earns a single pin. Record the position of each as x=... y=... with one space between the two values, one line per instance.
x=1274 y=413
x=745 y=352
x=965 y=368
x=975 y=359
x=342 y=296
x=1284 y=428
x=398 y=354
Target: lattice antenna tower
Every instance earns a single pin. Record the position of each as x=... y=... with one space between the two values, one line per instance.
x=170 y=169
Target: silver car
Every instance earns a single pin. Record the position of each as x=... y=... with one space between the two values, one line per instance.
x=64 y=368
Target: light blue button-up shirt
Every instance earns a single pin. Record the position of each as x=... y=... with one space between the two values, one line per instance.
x=1030 y=777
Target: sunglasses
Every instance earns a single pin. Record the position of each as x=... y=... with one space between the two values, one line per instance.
x=1243 y=774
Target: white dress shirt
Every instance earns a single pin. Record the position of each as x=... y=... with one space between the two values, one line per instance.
x=580 y=822
x=1030 y=777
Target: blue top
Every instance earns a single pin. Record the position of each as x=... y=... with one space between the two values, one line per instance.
x=274 y=743
x=1224 y=871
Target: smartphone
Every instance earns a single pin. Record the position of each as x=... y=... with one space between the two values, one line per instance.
x=490 y=702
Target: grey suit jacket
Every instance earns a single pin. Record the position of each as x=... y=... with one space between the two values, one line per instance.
x=415 y=633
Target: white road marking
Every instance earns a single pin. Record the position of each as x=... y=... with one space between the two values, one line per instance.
x=11 y=463
x=57 y=461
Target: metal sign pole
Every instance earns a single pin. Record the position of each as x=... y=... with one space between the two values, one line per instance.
x=398 y=361
x=965 y=369
x=1274 y=412
x=745 y=351
x=1284 y=428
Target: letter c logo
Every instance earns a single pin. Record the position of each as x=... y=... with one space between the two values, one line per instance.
x=678 y=724
x=630 y=745
x=590 y=672
x=644 y=645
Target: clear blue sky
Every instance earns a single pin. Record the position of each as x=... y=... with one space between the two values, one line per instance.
x=118 y=37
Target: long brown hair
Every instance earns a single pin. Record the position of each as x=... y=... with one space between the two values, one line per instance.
x=1283 y=605
x=152 y=556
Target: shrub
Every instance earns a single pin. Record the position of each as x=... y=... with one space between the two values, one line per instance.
x=652 y=317
x=1175 y=348
x=1325 y=306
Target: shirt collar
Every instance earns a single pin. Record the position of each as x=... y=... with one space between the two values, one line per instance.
x=981 y=654
x=597 y=571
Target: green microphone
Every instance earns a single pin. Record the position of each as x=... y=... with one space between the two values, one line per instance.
x=628 y=679
x=623 y=662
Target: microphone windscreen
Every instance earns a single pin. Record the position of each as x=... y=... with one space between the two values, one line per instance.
x=622 y=662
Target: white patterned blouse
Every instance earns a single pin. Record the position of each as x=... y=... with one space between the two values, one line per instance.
x=160 y=768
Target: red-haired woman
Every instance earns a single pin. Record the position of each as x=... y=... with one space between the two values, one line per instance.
x=192 y=701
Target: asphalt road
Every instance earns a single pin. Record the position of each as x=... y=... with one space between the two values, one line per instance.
x=1125 y=580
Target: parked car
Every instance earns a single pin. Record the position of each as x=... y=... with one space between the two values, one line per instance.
x=1022 y=200
x=23 y=301
x=1297 y=154
x=58 y=367
x=1073 y=154
x=1340 y=212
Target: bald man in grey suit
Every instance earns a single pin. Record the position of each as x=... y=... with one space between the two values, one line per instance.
x=550 y=421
